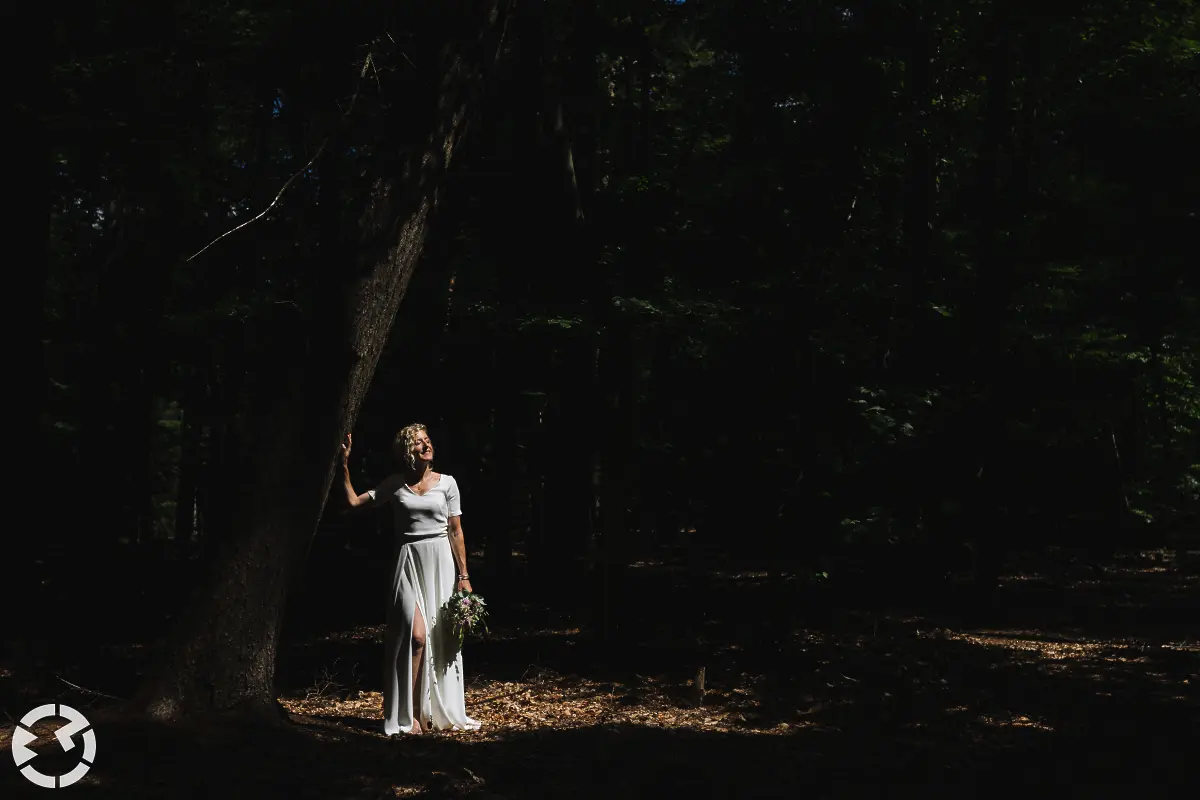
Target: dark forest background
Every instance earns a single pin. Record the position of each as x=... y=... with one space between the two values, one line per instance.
x=878 y=302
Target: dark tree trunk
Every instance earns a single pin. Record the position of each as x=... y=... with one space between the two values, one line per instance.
x=919 y=197
x=503 y=475
x=992 y=293
x=101 y=498
x=645 y=65
x=911 y=357
x=660 y=509
x=30 y=218
x=565 y=99
x=568 y=483
x=222 y=418
x=223 y=654
x=190 y=434
x=537 y=542
x=582 y=104
x=141 y=424
x=617 y=471
x=521 y=244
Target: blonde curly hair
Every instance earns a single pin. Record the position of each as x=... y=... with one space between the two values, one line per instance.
x=404 y=441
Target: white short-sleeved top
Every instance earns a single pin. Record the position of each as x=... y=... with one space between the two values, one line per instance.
x=420 y=515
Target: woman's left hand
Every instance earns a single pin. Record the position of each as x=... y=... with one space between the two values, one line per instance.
x=463 y=586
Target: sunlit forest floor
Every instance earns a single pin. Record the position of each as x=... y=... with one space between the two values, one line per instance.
x=1086 y=686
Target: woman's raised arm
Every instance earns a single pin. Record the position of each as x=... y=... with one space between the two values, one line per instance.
x=355 y=500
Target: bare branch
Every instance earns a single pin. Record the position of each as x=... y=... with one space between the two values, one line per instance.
x=263 y=213
x=88 y=691
x=368 y=63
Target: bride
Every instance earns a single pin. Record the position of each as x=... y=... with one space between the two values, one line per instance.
x=423 y=687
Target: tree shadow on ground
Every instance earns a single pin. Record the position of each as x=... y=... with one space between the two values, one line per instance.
x=837 y=702
x=854 y=743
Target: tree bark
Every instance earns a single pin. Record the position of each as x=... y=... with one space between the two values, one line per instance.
x=919 y=195
x=222 y=656
x=992 y=293
x=568 y=451
x=582 y=104
x=503 y=469
x=97 y=442
x=617 y=471
x=190 y=436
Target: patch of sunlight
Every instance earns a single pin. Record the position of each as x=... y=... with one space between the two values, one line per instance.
x=753 y=575
x=1015 y=721
x=556 y=702
x=1028 y=577
x=363 y=633
x=1141 y=570
x=1048 y=649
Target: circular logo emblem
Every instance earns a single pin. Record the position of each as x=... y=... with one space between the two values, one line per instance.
x=76 y=724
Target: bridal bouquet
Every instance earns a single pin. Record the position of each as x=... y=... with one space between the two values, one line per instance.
x=467 y=614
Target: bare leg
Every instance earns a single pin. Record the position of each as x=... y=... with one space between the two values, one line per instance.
x=418 y=666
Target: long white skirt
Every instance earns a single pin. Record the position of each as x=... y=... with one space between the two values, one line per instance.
x=423 y=578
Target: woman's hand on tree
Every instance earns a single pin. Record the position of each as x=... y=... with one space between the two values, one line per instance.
x=346 y=449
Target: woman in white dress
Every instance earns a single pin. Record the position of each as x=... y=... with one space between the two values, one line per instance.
x=423 y=687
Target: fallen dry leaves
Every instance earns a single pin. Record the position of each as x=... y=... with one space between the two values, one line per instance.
x=560 y=702
x=545 y=700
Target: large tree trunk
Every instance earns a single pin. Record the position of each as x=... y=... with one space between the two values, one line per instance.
x=98 y=410
x=582 y=102
x=618 y=472
x=498 y=544
x=920 y=182
x=223 y=654
x=568 y=454
x=31 y=219
x=992 y=294
x=190 y=439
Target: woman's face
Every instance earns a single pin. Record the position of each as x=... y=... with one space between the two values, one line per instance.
x=422 y=449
